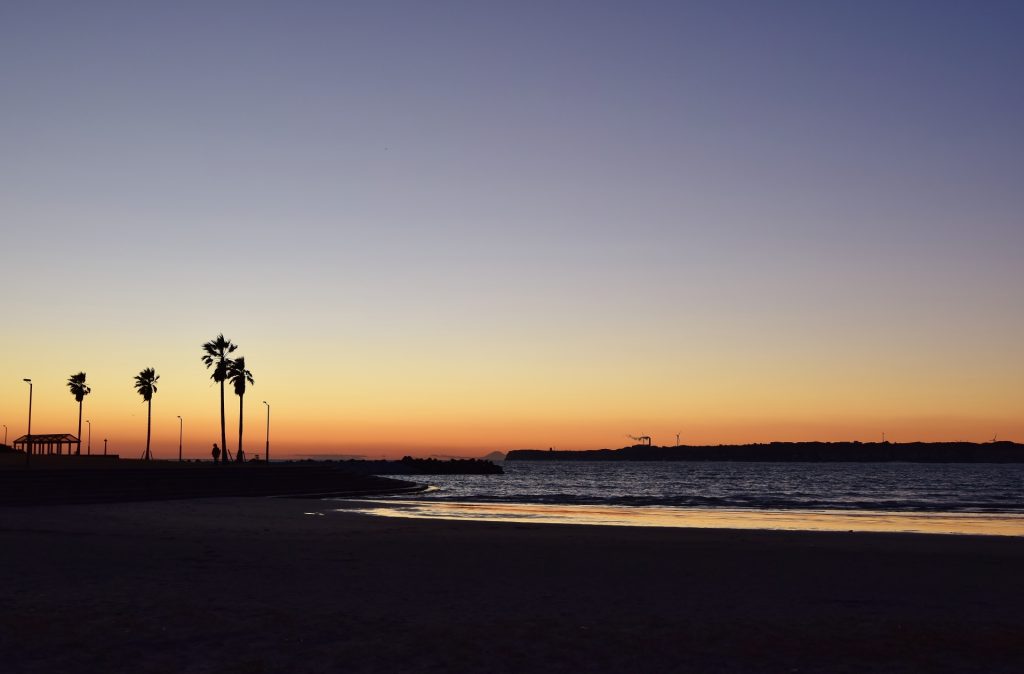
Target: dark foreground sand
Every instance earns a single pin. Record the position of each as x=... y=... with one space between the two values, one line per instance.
x=255 y=585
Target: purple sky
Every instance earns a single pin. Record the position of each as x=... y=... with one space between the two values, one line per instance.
x=581 y=189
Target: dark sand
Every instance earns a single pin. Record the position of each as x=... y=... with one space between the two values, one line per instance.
x=255 y=585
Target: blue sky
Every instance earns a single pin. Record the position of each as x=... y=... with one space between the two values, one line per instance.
x=585 y=191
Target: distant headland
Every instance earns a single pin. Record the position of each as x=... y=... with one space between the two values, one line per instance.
x=918 y=452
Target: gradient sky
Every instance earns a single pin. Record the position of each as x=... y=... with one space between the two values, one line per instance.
x=452 y=227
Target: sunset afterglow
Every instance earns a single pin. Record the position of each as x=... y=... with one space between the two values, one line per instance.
x=445 y=229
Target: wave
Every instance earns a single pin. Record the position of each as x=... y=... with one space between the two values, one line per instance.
x=865 y=487
x=738 y=502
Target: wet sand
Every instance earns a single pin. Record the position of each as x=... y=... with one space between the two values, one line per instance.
x=259 y=585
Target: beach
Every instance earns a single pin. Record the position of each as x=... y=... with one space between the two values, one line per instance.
x=268 y=585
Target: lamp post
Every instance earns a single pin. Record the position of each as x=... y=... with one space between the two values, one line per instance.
x=266 y=451
x=28 y=451
x=181 y=426
x=88 y=443
x=104 y=446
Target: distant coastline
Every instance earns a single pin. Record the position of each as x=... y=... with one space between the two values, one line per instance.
x=915 y=452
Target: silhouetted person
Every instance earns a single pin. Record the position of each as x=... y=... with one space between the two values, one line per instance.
x=240 y=456
x=215 y=452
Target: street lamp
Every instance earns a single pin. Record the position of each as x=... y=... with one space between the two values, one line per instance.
x=28 y=452
x=181 y=426
x=266 y=452
x=104 y=446
x=88 y=443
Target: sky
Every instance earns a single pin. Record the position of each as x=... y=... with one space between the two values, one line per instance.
x=457 y=227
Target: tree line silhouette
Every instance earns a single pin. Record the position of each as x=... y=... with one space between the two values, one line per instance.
x=216 y=355
x=79 y=389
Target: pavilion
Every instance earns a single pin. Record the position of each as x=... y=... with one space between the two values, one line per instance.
x=48 y=443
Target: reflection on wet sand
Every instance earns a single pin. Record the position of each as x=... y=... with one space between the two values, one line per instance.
x=988 y=524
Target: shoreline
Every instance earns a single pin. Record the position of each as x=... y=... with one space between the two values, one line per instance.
x=264 y=584
x=1002 y=451
x=747 y=519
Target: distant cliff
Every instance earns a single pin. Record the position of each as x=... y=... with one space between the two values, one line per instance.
x=920 y=452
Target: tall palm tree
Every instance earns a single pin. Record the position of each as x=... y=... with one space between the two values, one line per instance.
x=239 y=376
x=145 y=384
x=215 y=355
x=76 y=383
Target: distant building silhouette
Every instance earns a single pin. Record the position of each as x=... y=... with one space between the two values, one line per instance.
x=47 y=443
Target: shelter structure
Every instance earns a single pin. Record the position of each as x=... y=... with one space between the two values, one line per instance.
x=48 y=443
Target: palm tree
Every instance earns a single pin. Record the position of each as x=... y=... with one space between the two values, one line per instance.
x=145 y=384
x=239 y=376
x=215 y=355
x=76 y=383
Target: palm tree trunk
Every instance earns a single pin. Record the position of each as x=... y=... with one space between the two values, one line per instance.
x=240 y=412
x=223 y=428
x=79 y=429
x=149 y=424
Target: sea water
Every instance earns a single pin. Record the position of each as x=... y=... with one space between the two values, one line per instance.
x=918 y=497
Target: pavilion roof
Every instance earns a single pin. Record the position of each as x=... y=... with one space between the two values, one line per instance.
x=47 y=437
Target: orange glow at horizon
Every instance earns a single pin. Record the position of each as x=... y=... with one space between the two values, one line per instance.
x=450 y=424
x=466 y=396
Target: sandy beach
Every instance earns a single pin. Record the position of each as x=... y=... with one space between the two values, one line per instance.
x=268 y=585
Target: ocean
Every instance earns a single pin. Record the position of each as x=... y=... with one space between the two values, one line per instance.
x=910 y=497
